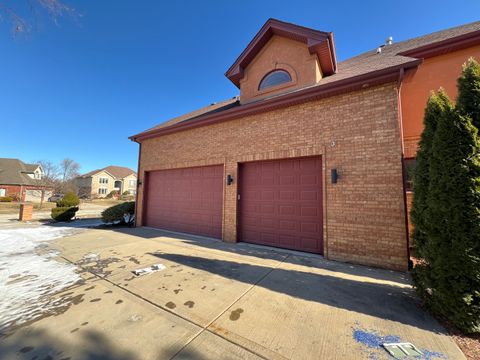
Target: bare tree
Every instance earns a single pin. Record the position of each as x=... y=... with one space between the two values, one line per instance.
x=69 y=169
x=49 y=179
x=22 y=14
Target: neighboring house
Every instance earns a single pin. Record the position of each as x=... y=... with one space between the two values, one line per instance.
x=22 y=181
x=101 y=182
x=310 y=156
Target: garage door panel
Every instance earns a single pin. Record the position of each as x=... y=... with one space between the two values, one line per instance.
x=187 y=200
x=281 y=203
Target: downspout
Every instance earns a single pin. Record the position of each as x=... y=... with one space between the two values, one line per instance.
x=404 y=173
x=138 y=182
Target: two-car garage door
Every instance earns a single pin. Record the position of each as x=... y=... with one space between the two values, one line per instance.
x=280 y=202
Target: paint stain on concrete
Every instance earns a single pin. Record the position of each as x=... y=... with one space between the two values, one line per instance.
x=170 y=305
x=108 y=292
x=26 y=349
x=190 y=304
x=130 y=278
x=176 y=291
x=118 y=302
x=85 y=323
x=77 y=299
x=213 y=289
x=90 y=288
x=203 y=287
x=235 y=314
x=134 y=260
x=74 y=330
x=95 y=300
x=373 y=341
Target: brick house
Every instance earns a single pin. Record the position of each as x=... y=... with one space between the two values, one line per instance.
x=311 y=155
x=22 y=181
x=101 y=182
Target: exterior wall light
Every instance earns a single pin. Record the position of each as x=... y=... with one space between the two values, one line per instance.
x=229 y=179
x=334 y=175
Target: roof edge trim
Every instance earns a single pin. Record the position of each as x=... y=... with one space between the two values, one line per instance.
x=304 y=95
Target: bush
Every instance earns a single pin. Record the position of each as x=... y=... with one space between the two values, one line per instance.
x=64 y=213
x=112 y=194
x=6 y=199
x=468 y=100
x=68 y=200
x=447 y=276
x=126 y=192
x=122 y=213
x=435 y=107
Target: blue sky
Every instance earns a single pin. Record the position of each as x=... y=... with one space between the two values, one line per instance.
x=80 y=88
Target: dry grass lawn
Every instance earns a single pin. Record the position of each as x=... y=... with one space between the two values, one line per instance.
x=12 y=207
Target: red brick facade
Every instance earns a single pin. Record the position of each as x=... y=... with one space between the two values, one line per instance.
x=17 y=191
x=357 y=133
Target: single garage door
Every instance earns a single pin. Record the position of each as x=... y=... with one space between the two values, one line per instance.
x=186 y=200
x=280 y=203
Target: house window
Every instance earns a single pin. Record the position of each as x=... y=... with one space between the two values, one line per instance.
x=132 y=183
x=103 y=180
x=2 y=192
x=410 y=165
x=273 y=78
x=102 y=191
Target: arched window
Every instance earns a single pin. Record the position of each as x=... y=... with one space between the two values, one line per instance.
x=273 y=78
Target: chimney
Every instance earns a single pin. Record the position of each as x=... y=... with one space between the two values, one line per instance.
x=389 y=41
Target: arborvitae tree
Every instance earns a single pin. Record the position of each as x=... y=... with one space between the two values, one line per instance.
x=435 y=108
x=468 y=100
x=449 y=279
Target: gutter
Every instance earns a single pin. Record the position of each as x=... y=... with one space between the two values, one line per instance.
x=297 y=97
x=404 y=172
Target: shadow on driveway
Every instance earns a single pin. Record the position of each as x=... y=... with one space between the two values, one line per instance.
x=38 y=344
x=266 y=252
x=395 y=303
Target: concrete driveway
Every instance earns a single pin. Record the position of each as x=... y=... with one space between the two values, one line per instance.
x=214 y=300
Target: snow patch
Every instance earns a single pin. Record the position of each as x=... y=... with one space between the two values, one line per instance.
x=28 y=277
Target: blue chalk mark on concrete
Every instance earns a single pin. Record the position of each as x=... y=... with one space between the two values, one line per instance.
x=373 y=340
x=430 y=355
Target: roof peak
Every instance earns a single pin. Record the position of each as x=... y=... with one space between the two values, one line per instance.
x=318 y=42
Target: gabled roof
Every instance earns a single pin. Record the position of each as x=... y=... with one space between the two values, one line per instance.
x=360 y=71
x=318 y=42
x=14 y=172
x=118 y=172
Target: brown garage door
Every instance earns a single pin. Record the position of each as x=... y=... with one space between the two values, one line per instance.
x=281 y=203
x=186 y=200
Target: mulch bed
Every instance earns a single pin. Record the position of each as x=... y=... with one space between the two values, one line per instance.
x=469 y=344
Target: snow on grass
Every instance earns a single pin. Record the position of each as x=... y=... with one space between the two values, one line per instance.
x=28 y=278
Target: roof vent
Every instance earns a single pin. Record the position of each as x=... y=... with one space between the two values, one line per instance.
x=389 y=41
x=379 y=49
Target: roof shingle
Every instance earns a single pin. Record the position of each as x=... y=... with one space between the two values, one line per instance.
x=118 y=172
x=14 y=172
x=363 y=64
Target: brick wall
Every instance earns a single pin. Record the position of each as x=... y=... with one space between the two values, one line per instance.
x=357 y=133
x=410 y=147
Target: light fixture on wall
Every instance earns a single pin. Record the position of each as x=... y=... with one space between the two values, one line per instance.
x=334 y=175
x=229 y=179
